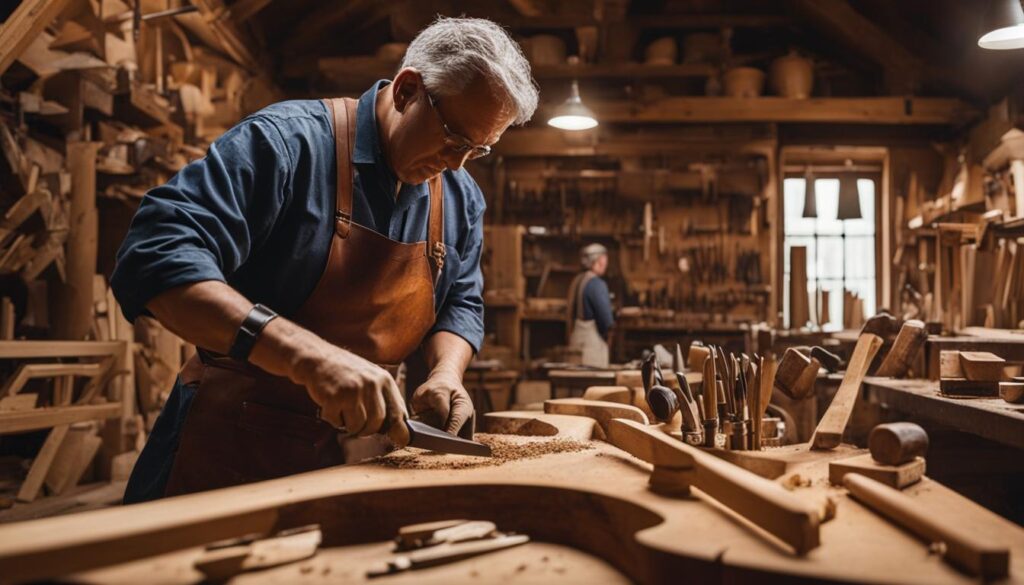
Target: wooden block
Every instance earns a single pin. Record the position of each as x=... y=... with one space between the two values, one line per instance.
x=982 y=366
x=73 y=458
x=965 y=387
x=830 y=429
x=978 y=556
x=904 y=350
x=19 y=402
x=696 y=356
x=1009 y=391
x=949 y=364
x=799 y=307
x=790 y=371
x=897 y=476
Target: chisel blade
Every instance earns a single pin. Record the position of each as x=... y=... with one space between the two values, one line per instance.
x=424 y=436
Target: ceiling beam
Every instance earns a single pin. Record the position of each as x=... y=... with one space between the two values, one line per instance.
x=243 y=10
x=331 y=18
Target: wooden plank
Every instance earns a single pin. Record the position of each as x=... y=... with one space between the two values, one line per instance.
x=52 y=349
x=29 y=489
x=6 y=319
x=979 y=557
x=24 y=25
x=895 y=476
x=26 y=401
x=763 y=502
x=27 y=372
x=44 y=418
x=799 y=311
x=830 y=429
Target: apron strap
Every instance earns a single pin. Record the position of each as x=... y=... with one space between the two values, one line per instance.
x=343 y=114
x=435 y=227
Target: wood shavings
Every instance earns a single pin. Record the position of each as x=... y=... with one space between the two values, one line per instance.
x=503 y=450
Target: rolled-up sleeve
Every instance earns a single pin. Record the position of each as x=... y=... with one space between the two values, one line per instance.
x=463 y=309
x=203 y=223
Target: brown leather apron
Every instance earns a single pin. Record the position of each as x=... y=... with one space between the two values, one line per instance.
x=375 y=298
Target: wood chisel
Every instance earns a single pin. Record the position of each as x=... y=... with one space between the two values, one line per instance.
x=424 y=436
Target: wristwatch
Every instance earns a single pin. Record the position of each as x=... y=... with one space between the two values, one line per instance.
x=249 y=331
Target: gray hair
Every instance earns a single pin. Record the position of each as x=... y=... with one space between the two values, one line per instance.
x=451 y=52
x=590 y=254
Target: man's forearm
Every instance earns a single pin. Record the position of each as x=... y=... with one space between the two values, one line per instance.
x=209 y=314
x=447 y=354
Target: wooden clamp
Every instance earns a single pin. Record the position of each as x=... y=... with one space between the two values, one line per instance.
x=904 y=350
x=678 y=466
x=830 y=429
x=977 y=556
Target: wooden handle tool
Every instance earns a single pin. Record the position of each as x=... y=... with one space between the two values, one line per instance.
x=761 y=501
x=710 y=401
x=977 y=556
x=830 y=429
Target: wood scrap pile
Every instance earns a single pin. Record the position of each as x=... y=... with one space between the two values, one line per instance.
x=99 y=98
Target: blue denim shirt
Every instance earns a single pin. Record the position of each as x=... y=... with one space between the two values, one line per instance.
x=597 y=305
x=257 y=212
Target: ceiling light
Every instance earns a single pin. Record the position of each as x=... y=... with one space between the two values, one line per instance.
x=1003 y=26
x=573 y=115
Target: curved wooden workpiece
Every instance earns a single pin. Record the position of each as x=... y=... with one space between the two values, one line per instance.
x=763 y=502
x=602 y=412
x=596 y=501
x=539 y=424
x=620 y=395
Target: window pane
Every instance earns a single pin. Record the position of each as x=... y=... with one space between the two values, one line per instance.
x=830 y=257
x=793 y=208
x=860 y=257
x=828 y=206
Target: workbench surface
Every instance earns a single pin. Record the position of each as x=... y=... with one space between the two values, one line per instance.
x=991 y=418
x=596 y=501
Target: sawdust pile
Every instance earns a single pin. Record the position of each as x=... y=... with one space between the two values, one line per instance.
x=503 y=450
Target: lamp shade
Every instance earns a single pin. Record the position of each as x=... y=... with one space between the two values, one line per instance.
x=810 y=196
x=849 y=198
x=573 y=115
x=1003 y=26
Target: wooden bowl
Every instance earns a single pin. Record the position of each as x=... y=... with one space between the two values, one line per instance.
x=792 y=76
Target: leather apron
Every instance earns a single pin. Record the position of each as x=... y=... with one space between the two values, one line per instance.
x=374 y=298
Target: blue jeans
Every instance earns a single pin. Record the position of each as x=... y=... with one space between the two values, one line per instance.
x=153 y=469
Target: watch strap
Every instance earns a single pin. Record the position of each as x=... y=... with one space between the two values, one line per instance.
x=249 y=331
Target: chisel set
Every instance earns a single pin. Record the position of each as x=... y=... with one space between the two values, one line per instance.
x=725 y=409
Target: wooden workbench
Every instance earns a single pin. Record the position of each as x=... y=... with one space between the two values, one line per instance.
x=595 y=502
x=991 y=418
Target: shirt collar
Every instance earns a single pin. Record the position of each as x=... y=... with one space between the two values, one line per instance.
x=367 y=145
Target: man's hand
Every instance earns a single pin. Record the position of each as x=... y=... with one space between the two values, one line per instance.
x=355 y=394
x=446 y=399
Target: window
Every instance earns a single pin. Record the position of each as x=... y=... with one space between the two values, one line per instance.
x=840 y=253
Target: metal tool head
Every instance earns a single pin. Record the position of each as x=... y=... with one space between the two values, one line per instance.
x=677 y=363
x=647 y=372
x=424 y=436
x=663 y=403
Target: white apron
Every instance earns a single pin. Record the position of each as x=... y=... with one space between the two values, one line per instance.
x=584 y=335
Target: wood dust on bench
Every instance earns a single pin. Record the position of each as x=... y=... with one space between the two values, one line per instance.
x=504 y=449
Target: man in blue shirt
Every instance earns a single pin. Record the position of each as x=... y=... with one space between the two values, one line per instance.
x=284 y=216
x=590 y=308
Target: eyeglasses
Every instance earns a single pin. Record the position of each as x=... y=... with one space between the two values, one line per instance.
x=457 y=142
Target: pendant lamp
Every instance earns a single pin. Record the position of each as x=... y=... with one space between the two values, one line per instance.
x=573 y=115
x=810 y=196
x=1003 y=26
x=849 y=198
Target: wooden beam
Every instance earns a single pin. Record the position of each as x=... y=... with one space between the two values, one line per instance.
x=841 y=21
x=24 y=25
x=29 y=489
x=45 y=418
x=243 y=10
x=864 y=110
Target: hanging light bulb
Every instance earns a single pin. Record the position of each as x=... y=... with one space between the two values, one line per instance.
x=573 y=115
x=849 y=197
x=1003 y=26
x=810 y=196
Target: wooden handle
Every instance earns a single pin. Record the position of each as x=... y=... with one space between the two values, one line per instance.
x=830 y=429
x=980 y=558
x=763 y=502
x=709 y=388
